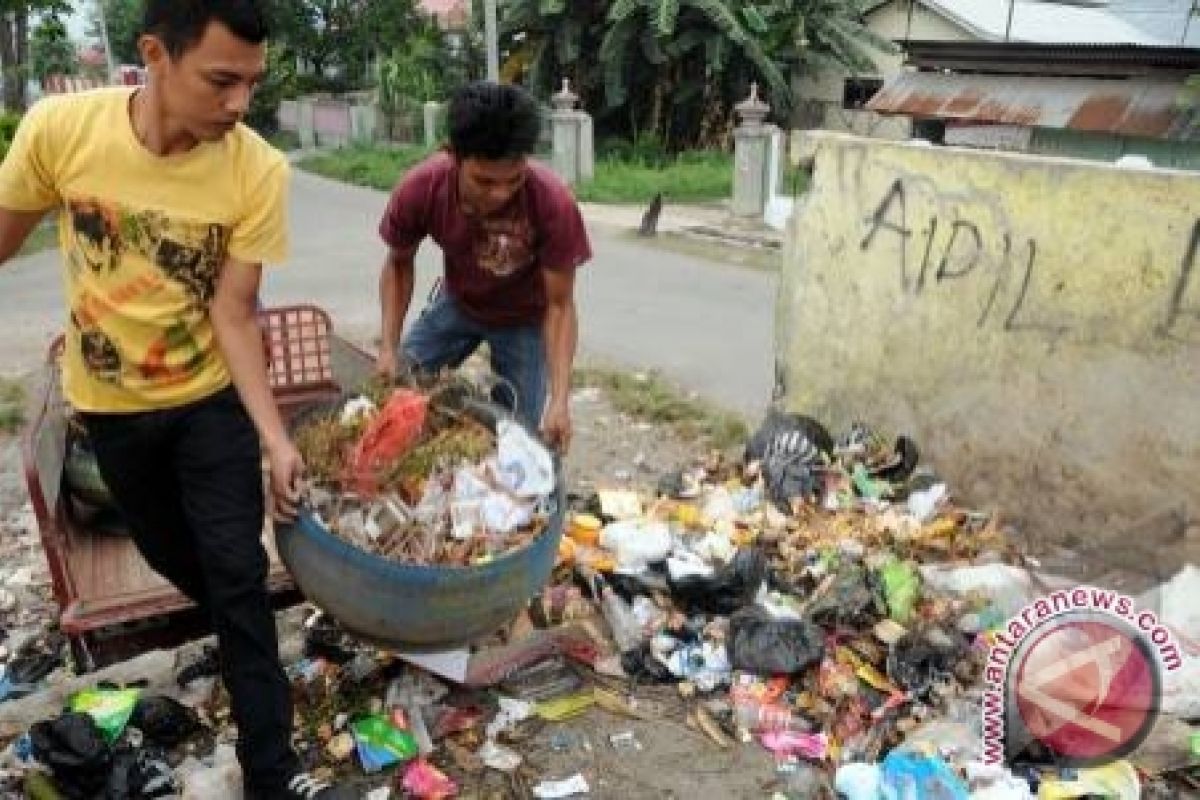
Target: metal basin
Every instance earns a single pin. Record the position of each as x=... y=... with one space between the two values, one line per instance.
x=416 y=608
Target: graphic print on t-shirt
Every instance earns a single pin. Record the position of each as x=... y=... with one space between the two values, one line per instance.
x=505 y=245
x=130 y=255
x=190 y=253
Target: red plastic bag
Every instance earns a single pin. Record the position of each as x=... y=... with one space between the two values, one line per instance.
x=390 y=434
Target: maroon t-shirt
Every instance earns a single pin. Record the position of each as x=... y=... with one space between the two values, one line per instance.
x=493 y=265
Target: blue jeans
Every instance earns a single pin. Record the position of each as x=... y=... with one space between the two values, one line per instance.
x=445 y=337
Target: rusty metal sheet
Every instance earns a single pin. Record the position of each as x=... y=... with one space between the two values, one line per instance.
x=1147 y=107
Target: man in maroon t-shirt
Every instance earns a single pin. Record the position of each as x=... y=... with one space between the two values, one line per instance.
x=511 y=238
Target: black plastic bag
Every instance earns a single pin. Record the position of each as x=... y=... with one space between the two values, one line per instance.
x=74 y=751
x=791 y=448
x=165 y=722
x=36 y=659
x=207 y=665
x=764 y=645
x=728 y=589
x=783 y=434
x=325 y=639
x=921 y=657
x=849 y=601
x=641 y=665
x=139 y=775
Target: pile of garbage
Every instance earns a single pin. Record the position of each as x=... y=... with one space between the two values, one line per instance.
x=413 y=476
x=825 y=600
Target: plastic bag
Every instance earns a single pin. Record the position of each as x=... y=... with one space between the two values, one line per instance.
x=525 y=466
x=858 y=781
x=848 y=601
x=503 y=513
x=381 y=744
x=424 y=781
x=706 y=665
x=920 y=657
x=140 y=775
x=110 y=708
x=643 y=666
x=914 y=776
x=1115 y=781
x=813 y=746
x=726 y=590
x=637 y=543
x=466 y=507
x=783 y=433
x=901 y=588
x=165 y=722
x=76 y=753
x=790 y=447
x=390 y=434
x=764 y=645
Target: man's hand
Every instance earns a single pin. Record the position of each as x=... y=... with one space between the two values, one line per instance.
x=556 y=426
x=287 y=470
x=385 y=363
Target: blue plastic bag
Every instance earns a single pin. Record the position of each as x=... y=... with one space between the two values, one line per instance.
x=914 y=776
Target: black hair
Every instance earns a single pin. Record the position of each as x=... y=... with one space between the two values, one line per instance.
x=493 y=121
x=181 y=23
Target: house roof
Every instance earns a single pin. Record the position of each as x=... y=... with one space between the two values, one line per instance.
x=1047 y=22
x=448 y=12
x=1132 y=107
x=1068 y=60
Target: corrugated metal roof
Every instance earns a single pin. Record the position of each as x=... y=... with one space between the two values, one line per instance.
x=1134 y=107
x=1044 y=22
x=1069 y=60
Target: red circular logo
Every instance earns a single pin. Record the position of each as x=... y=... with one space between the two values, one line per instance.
x=1086 y=687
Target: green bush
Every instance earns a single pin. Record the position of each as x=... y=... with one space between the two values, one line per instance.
x=279 y=83
x=8 y=129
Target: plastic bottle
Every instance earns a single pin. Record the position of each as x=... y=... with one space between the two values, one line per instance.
x=758 y=716
x=626 y=630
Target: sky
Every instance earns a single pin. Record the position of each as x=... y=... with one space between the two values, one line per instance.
x=77 y=23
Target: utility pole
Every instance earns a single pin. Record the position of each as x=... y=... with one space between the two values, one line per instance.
x=1012 y=4
x=492 y=36
x=108 y=56
x=1193 y=11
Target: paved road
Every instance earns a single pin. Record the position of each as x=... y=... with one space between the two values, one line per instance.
x=704 y=325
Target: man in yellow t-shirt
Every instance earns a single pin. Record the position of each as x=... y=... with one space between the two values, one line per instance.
x=169 y=206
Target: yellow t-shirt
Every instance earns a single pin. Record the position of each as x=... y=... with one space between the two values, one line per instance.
x=143 y=239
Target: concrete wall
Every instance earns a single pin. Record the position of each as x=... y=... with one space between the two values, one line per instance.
x=1034 y=322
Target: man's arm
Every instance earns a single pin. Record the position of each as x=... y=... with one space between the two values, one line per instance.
x=15 y=227
x=234 y=314
x=560 y=330
x=395 y=296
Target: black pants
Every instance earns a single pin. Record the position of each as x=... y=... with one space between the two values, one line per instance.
x=189 y=481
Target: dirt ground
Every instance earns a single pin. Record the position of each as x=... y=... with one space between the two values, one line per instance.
x=669 y=760
x=610 y=450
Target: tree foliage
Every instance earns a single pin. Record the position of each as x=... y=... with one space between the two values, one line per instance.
x=51 y=51
x=124 y=21
x=669 y=71
x=14 y=44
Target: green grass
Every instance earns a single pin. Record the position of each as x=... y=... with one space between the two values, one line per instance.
x=649 y=398
x=377 y=167
x=12 y=405
x=689 y=178
x=285 y=140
